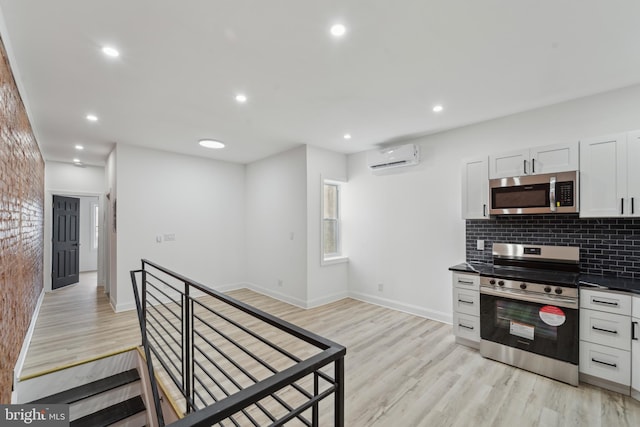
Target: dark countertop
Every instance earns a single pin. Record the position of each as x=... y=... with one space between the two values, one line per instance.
x=609 y=282
x=472 y=268
x=584 y=280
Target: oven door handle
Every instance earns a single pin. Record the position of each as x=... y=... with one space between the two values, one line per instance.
x=519 y=296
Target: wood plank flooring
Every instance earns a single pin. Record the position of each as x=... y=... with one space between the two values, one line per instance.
x=401 y=370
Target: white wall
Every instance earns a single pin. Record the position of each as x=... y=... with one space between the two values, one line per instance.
x=325 y=283
x=198 y=200
x=69 y=180
x=405 y=229
x=88 y=254
x=276 y=225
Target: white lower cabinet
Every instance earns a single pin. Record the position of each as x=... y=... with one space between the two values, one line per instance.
x=466 y=309
x=635 y=349
x=605 y=339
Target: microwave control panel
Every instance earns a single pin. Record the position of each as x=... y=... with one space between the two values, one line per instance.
x=564 y=193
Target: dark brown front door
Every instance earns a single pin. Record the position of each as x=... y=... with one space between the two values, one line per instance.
x=66 y=241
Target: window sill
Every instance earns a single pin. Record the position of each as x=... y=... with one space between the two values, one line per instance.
x=335 y=260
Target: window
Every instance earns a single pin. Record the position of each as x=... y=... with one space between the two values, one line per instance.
x=331 y=224
x=95 y=224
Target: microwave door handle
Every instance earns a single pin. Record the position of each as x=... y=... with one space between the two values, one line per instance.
x=552 y=194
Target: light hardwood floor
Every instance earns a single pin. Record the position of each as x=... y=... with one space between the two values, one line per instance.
x=401 y=370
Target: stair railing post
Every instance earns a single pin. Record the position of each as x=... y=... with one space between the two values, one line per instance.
x=187 y=373
x=339 y=393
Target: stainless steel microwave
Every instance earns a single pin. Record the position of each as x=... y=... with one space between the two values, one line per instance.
x=535 y=194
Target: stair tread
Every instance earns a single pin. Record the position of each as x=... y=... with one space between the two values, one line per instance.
x=112 y=414
x=91 y=389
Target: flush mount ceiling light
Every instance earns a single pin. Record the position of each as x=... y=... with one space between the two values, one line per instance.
x=347 y=136
x=92 y=117
x=79 y=147
x=211 y=143
x=241 y=98
x=437 y=108
x=110 y=51
x=338 y=30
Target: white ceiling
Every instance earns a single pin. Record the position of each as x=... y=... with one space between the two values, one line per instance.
x=182 y=63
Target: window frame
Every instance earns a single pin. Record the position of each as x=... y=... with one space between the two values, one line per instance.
x=339 y=256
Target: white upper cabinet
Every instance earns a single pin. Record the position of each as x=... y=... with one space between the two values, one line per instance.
x=475 y=189
x=534 y=161
x=609 y=179
x=555 y=158
x=512 y=163
x=633 y=173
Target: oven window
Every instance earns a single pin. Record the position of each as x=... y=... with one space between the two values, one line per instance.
x=528 y=196
x=523 y=320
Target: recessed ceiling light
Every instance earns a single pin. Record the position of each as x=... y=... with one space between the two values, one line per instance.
x=241 y=98
x=76 y=160
x=92 y=117
x=79 y=147
x=110 y=51
x=347 y=136
x=338 y=30
x=437 y=108
x=211 y=143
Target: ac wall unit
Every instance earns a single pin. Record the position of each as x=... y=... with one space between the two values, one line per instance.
x=393 y=157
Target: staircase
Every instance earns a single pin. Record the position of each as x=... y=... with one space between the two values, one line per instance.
x=100 y=393
x=92 y=404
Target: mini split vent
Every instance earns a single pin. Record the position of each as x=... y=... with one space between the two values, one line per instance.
x=393 y=157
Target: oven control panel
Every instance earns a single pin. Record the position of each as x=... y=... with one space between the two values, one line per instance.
x=529 y=288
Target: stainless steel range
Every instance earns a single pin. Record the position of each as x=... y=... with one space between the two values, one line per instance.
x=529 y=309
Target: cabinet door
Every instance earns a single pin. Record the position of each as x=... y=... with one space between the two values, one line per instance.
x=475 y=189
x=555 y=158
x=603 y=176
x=633 y=174
x=513 y=163
x=604 y=362
x=612 y=330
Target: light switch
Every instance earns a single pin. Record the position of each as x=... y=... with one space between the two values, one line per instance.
x=159 y=238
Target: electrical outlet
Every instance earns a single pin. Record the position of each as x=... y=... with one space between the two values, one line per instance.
x=480 y=245
x=169 y=237
x=380 y=287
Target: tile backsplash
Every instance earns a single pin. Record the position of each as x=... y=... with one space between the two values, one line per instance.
x=608 y=246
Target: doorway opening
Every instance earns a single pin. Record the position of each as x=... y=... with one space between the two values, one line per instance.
x=75 y=238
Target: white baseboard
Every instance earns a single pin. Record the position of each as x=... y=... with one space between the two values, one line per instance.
x=27 y=338
x=328 y=299
x=404 y=307
x=277 y=295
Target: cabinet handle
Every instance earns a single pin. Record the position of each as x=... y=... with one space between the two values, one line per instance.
x=632 y=207
x=465 y=302
x=533 y=165
x=484 y=209
x=622 y=206
x=597 y=301
x=613 y=365
x=466 y=282
x=466 y=327
x=525 y=167
x=595 y=328
x=633 y=331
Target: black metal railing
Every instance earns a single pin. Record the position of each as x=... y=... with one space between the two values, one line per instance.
x=232 y=363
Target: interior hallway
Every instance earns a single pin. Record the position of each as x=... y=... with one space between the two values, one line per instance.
x=77 y=323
